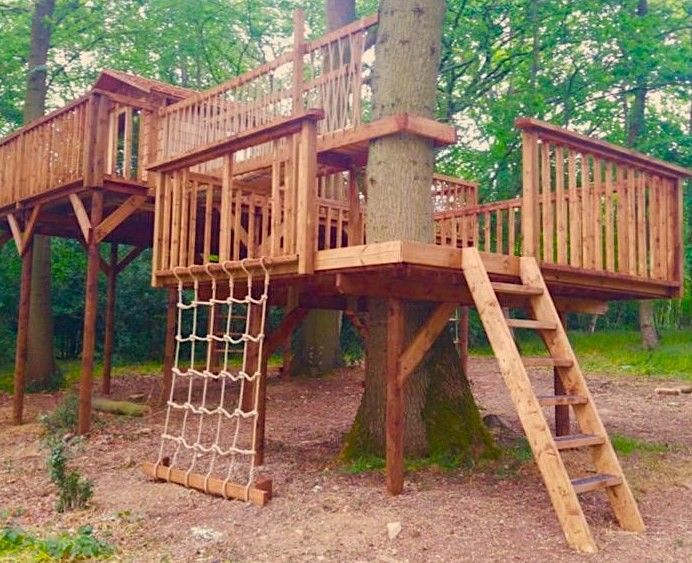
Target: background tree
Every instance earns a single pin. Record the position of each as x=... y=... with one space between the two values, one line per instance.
x=41 y=358
x=317 y=345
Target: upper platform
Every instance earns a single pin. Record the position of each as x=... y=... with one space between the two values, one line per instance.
x=246 y=169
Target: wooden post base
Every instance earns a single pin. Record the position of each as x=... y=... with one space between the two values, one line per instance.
x=260 y=494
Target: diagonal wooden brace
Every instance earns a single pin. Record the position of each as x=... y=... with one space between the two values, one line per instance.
x=110 y=223
x=424 y=338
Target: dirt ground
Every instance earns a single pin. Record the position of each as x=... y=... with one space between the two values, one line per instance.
x=320 y=512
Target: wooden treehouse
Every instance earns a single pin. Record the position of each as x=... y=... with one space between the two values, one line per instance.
x=260 y=180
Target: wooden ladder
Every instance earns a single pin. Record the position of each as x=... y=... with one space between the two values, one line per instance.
x=546 y=448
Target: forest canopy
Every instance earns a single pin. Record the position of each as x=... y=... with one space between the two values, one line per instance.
x=582 y=65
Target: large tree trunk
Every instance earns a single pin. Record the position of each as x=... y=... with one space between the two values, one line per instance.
x=317 y=348
x=635 y=131
x=41 y=359
x=441 y=417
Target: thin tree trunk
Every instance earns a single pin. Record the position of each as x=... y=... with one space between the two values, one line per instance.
x=441 y=418
x=317 y=348
x=41 y=357
x=636 y=128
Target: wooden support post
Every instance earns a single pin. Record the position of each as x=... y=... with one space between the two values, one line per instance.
x=298 y=49
x=22 y=334
x=252 y=359
x=463 y=344
x=306 y=197
x=169 y=346
x=394 y=418
x=90 y=312
x=261 y=410
x=530 y=214
x=562 y=424
x=111 y=277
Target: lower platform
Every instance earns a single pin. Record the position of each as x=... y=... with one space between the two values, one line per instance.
x=417 y=271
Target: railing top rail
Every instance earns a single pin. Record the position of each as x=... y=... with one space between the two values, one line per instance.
x=349 y=29
x=234 y=82
x=242 y=140
x=284 y=58
x=478 y=208
x=455 y=180
x=553 y=133
x=48 y=117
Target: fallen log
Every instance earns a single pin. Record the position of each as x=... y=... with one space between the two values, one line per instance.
x=125 y=408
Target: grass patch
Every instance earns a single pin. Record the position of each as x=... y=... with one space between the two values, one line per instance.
x=18 y=545
x=364 y=464
x=446 y=462
x=70 y=370
x=620 y=352
x=627 y=445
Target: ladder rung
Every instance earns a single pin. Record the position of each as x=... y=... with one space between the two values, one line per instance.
x=578 y=441
x=547 y=362
x=554 y=400
x=594 y=482
x=516 y=289
x=529 y=323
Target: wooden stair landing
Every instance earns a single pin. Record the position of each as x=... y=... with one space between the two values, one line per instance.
x=546 y=448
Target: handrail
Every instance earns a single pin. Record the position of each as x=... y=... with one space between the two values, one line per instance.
x=553 y=133
x=596 y=206
x=248 y=138
x=327 y=72
x=43 y=119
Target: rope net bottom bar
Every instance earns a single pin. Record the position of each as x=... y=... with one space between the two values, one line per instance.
x=209 y=440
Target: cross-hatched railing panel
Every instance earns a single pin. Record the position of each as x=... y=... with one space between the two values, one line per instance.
x=329 y=73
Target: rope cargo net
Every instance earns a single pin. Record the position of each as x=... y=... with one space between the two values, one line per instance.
x=211 y=421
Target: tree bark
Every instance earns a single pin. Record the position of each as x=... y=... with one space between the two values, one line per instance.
x=441 y=419
x=41 y=357
x=635 y=131
x=317 y=348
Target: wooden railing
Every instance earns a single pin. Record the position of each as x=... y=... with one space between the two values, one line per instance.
x=131 y=140
x=80 y=143
x=596 y=206
x=201 y=220
x=327 y=73
x=492 y=227
x=47 y=153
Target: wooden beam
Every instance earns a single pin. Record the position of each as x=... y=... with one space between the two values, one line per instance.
x=111 y=278
x=82 y=216
x=289 y=323
x=30 y=226
x=211 y=485
x=90 y=313
x=385 y=286
x=424 y=338
x=16 y=233
x=394 y=413
x=581 y=305
x=22 y=349
x=110 y=223
x=129 y=258
x=305 y=216
x=169 y=344
x=562 y=425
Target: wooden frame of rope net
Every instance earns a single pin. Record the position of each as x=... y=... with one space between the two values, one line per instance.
x=211 y=444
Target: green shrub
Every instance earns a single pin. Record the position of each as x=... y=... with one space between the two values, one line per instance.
x=63 y=418
x=74 y=491
x=16 y=544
